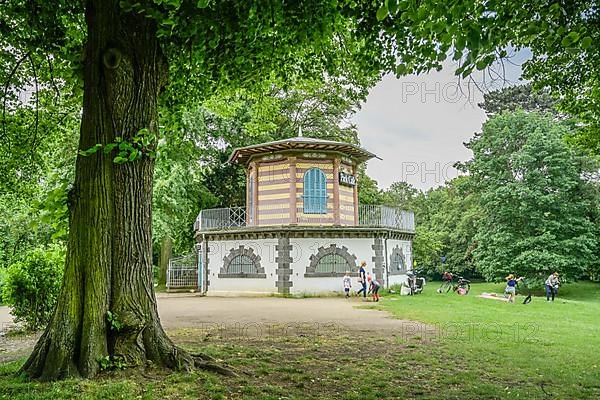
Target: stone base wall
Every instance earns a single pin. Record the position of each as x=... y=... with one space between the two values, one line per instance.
x=291 y=265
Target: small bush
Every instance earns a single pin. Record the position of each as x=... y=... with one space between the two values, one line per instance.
x=32 y=285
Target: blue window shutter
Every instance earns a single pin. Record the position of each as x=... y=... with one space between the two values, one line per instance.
x=315 y=192
x=320 y=188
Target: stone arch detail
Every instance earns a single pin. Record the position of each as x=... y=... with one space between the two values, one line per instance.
x=397 y=261
x=242 y=251
x=311 y=270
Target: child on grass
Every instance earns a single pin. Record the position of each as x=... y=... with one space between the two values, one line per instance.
x=373 y=287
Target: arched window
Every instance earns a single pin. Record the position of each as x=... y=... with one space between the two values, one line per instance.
x=242 y=263
x=331 y=261
x=315 y=192
x=397 y=262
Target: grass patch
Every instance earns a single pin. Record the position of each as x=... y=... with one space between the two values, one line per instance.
x=539 y=349
x=472 y=348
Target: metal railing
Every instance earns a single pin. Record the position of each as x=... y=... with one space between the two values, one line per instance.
x=368 y=215
x=384 y=216
x=183 y=272
x=221 y=218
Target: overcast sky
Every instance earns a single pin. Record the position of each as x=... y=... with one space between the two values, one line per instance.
x=418 y=124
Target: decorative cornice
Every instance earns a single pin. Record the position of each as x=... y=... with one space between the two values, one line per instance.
x=301 y=231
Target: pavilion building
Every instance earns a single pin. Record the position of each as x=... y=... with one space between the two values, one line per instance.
x=302 y=226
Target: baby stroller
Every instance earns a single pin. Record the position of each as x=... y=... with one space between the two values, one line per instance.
x=414 y=283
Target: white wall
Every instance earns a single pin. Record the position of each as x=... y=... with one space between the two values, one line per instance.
x=305 y=247
x=302 y=249
x=265 y=248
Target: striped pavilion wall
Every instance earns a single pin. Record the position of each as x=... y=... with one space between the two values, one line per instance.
x=277 y=202
x=273 y=206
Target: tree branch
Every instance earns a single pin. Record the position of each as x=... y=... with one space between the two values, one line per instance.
x=6 y=85
x=51 y=71
x=37 y=102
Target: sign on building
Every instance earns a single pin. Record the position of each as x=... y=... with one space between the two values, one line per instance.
x=347 y=179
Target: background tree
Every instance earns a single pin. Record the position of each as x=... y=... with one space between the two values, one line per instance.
x=402 y=195
x=368 y=191
x=32 y=286
x=37 y=154
x=517 y=97
x=454 y=214
x=179 y=193
x=446 y=218
x=535 y=220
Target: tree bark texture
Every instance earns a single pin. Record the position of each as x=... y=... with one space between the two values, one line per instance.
x=109 y=255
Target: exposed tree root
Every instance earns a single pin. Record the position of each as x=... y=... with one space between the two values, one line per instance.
x=208 y=363
x=214 y=367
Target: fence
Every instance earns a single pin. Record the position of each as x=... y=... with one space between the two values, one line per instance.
x=221 y=218
x=368 y=215
x=384 y=216
x=182 y=272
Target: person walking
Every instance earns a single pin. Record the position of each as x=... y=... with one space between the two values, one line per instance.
x=362 y=279
x=552 y=284
x=347 y=284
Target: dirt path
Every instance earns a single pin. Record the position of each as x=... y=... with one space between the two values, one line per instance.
x=251 y=317
x=179 y=311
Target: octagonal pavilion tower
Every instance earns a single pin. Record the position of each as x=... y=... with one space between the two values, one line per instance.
x=301 y=221
x=301 y=181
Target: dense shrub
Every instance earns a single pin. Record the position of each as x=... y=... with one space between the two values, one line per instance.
x=32 y=286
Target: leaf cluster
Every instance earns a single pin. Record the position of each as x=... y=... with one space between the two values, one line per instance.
x=142 y=143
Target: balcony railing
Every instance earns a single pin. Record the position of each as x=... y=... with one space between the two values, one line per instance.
x=368 y=216
x=221 y=218
x=384 y=216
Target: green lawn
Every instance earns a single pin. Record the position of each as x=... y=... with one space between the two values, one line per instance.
x=539 y=347
x=473 y=349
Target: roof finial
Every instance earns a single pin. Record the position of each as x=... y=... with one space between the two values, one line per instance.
x=299 y=130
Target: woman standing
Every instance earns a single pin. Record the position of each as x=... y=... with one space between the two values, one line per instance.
x=362 y=279
x=511 y=287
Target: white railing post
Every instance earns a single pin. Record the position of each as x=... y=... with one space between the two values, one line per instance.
x=167 y=283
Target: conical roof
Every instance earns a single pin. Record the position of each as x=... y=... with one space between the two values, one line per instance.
x=242 y=155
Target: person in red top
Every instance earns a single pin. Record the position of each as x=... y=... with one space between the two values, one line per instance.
x=447 y=276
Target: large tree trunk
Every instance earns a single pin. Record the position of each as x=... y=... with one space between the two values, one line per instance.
x=166 y=249
x=109 y=256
